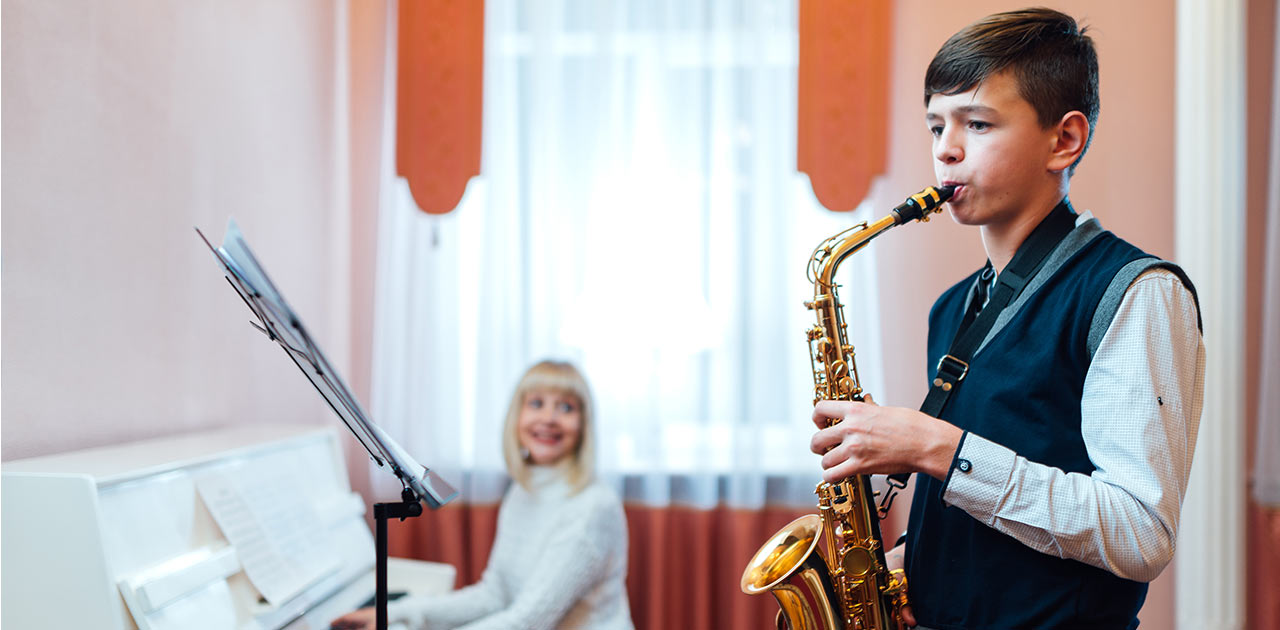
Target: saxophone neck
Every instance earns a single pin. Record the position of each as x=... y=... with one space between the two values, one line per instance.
x=828 y=255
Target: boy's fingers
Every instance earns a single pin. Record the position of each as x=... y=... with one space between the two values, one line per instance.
x=838 y=472
x=827 y=410
x=908 y=617
x=824 y=441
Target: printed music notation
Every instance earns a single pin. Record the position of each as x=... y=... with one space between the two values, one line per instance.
x=275 y=531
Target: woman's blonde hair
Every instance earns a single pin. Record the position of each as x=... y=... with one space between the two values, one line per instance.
x=563 y=377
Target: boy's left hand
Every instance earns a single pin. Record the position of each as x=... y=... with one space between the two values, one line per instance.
x=870 y=439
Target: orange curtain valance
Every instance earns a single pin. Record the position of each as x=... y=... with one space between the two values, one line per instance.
x=843 y=100
x=440 y=72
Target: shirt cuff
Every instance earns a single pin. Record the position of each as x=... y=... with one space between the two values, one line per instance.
x=979 y=473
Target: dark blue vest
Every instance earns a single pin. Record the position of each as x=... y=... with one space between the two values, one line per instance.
x=1023 y=391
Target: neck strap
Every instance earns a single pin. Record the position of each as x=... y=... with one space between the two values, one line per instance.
x=954 y=365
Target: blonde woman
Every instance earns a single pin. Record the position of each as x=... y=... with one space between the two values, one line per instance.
x=560 y=556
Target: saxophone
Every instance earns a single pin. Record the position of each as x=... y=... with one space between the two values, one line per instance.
x=852 y=588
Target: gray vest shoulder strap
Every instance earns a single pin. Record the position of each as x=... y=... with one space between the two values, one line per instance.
x=1114 y=294
x=1074 y=242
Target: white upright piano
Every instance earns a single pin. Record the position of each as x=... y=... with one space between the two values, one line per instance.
x=252 y=528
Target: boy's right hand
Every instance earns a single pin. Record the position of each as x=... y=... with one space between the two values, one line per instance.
x=363 y=619
x=894 y=559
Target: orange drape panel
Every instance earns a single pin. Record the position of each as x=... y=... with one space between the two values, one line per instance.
x=843 y=100
x=686 y=565
x=1263 y=542
x=683 y=569
x=439 y=99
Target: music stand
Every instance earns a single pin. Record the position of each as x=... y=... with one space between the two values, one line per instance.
x=280 y=324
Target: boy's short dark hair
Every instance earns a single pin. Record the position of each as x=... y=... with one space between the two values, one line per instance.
x=1050 y=57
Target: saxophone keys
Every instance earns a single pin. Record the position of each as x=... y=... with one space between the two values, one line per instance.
x=858 y=562
x=840 y=504
x=839 y=370
x=897 y=586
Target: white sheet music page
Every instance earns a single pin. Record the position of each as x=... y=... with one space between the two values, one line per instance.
x=274 y=529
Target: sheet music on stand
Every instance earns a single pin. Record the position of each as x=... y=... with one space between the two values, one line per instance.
x=279 y=323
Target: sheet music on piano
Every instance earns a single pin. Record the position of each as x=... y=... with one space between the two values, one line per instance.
x=276 y=533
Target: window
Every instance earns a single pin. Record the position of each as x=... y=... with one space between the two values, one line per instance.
x=640 y=214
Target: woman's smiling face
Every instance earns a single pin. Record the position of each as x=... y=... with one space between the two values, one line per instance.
x=550 y=425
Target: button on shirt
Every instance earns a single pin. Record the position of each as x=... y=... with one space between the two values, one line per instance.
x=1140 y=411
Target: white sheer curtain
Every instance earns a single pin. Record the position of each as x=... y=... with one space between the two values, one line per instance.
x=639 y=213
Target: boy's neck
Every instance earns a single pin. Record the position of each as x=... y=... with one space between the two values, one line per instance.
x=1002 y=240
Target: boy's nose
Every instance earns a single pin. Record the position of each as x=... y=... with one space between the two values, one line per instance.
x=946 y=150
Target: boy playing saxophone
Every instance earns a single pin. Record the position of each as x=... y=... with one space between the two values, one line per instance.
x=1062 y=424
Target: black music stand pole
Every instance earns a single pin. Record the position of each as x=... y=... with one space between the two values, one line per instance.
x=409 y=507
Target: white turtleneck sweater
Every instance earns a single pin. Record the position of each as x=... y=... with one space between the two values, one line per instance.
x=558 y=561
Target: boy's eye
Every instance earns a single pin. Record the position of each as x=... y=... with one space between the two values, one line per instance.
x=936 y=130
x=978 y=125
x=566 y=407
x=535 y=403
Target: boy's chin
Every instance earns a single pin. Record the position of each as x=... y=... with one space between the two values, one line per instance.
x=962 y=214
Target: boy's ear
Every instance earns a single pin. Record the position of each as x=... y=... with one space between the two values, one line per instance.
x=1072 y=133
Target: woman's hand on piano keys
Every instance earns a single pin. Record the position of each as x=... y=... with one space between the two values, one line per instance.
x=363 y=619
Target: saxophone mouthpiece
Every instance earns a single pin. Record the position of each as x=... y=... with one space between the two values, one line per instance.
x=917 y=207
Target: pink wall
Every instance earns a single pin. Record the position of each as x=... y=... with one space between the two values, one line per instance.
x=1263 y=537
x=124 y=125
x=1126 y=179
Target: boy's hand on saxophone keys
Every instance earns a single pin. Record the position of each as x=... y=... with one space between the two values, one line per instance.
x=894 y=561
x=870 y=439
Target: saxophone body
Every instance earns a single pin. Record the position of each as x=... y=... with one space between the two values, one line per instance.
x=847 y=585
